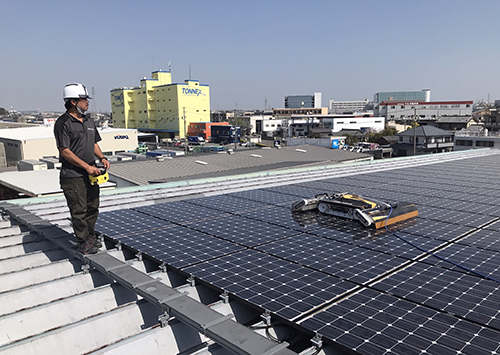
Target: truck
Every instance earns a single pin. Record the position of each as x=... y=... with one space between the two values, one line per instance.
x=195 y=140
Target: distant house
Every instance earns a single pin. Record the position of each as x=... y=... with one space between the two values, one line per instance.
x=476 y=137
x=454 y=123
x=387 y=140
x=429 y=140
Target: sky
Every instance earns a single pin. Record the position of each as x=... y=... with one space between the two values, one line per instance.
x=250 y=52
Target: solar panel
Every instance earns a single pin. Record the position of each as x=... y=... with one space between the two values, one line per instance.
x=266 y=197
x=467 y=296
x=226 y=203
x=485 y=239
x=115 y=224
x=346 y=261
x=485 y=262
x=433 y=229
x=242 y=230
x=276 y=285
x=325 y=273
x=178 y=212
x=279 y=215
x=179 y=246
x=371 y=322
x=381 y=241
x=299 y=191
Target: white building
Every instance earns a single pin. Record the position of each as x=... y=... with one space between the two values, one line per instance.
x=346 y=106
x=300 y=125
x=267 y=126
x=38 y=142
x=432 y=110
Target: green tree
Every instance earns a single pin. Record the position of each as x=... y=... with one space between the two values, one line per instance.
x=389 y=131
x=312 y=134
x=373 y=137
x=3 y=111
x=350 y=139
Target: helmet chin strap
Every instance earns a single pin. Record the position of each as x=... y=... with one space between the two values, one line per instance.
x=79 y=109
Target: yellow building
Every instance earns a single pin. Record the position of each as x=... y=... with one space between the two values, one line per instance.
x=157 y=105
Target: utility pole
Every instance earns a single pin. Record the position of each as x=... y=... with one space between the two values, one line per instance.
x=414 y=131
x=185 y=132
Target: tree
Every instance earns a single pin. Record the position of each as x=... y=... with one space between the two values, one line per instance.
x=312 y=134
x=389 y=131
x=3 y=111
x=350 y=139
x=374 y=136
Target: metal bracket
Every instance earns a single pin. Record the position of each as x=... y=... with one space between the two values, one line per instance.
x=86 y=268
x=225 y=297
x=317 y=341
x=191 y=281
x=139 y=256
x=163 y=267
x=266 y=317
x=163 y=319
x=119 y=246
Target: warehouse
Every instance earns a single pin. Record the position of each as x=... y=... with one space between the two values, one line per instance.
x=38 y=142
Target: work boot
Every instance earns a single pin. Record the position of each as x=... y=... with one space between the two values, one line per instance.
x=87 y=247
x=96 y=242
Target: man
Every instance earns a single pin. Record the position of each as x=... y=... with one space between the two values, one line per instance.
x=76 y=138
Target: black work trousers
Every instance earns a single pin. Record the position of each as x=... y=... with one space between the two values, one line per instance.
x=83 y=203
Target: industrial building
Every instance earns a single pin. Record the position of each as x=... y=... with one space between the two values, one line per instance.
x=303 y=101
x=424 y=95
x=400 y=110
x=279 y=112
x=38 y=142
x=300 y=125
x=158 y=105
x=336 y=107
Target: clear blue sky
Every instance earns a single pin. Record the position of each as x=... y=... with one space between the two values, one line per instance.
x=248 y=51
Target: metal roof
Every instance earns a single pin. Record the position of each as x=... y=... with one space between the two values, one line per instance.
x=43 y=132
x=426 y=130
x=51 y=303
x=36 y=182
x=242 y=161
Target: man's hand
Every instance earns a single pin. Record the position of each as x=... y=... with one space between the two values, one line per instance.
x=94 y=171
x=106 y=163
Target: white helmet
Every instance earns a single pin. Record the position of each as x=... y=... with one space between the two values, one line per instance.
x=75 y=91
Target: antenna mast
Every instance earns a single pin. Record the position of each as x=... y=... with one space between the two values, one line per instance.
x=94 y=106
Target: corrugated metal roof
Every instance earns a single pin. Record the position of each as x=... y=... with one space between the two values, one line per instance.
x=144 y=171
x=43 y=132
x=36 y=182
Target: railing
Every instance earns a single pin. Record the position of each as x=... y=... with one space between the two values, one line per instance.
x=476 y=134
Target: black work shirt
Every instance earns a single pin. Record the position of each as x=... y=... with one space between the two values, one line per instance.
x=79 y=137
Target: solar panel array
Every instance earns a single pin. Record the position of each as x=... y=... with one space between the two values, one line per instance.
x=365 y=290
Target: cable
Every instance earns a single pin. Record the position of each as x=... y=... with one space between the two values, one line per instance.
x=435 y=255
x=290 y=331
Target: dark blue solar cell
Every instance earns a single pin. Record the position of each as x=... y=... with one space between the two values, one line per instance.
x=115 y=224
x=242 y=230
x=291 y=281
x=179 y=211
